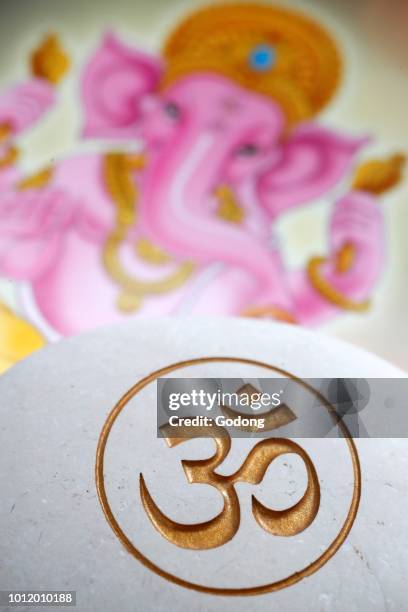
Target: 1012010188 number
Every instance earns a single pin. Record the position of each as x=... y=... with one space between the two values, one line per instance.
x=42 y=598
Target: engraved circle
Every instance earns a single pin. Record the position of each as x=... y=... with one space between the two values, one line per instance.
x=244 y=591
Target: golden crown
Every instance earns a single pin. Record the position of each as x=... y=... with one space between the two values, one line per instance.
x=273 y=51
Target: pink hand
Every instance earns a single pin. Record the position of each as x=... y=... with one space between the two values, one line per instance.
x=31 y=226
x=24 y=104
x=357 y=221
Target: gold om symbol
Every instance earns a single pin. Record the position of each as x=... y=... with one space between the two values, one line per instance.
x=225 y=525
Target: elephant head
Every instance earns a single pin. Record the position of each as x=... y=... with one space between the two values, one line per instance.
x=229 y=103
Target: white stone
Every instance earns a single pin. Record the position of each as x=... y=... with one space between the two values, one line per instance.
x=53 y=534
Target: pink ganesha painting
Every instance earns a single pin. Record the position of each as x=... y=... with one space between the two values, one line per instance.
x=217 y=138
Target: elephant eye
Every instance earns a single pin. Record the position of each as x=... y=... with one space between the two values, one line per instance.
x=248 y=149
x=172 y=110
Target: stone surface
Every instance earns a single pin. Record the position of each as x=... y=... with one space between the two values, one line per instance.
x=53 y=534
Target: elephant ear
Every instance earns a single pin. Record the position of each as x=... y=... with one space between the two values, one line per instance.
x=310 y=163
x=113 y=85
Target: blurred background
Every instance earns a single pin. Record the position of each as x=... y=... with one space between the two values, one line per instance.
x=373 y=99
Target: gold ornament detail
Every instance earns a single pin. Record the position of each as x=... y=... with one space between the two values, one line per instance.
x=229 y=208
x=5 y=131
x=330 y=293
x=379 y=175
x=37 y=180
x=121 y=186
x=306 y=66
x=49 y=61
x=271 y=312
x=136 y=161
x=345 y=258
x=10 y=157
x=151 y=252
x=128 y=302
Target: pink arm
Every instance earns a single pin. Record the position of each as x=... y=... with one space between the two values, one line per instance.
x=23 y=105
x=32 y=225
x=346 y=278
x=20 y=107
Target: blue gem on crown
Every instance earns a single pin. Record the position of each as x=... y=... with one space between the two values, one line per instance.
x=262 y=58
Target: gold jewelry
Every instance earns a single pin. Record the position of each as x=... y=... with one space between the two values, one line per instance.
x=229 y=208
x=10 y=157
x=151 y=252
x=37 y=180
x=123 y=191
x=275 y=52
x=325 y=289
x=5 y=131
x=345 y=258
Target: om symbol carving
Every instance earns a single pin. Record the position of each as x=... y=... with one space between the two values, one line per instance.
x=220 y=529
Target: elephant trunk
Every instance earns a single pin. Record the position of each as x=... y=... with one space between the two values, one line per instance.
x=178 y=213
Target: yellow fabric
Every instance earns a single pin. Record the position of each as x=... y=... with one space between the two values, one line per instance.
x=18 y=338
